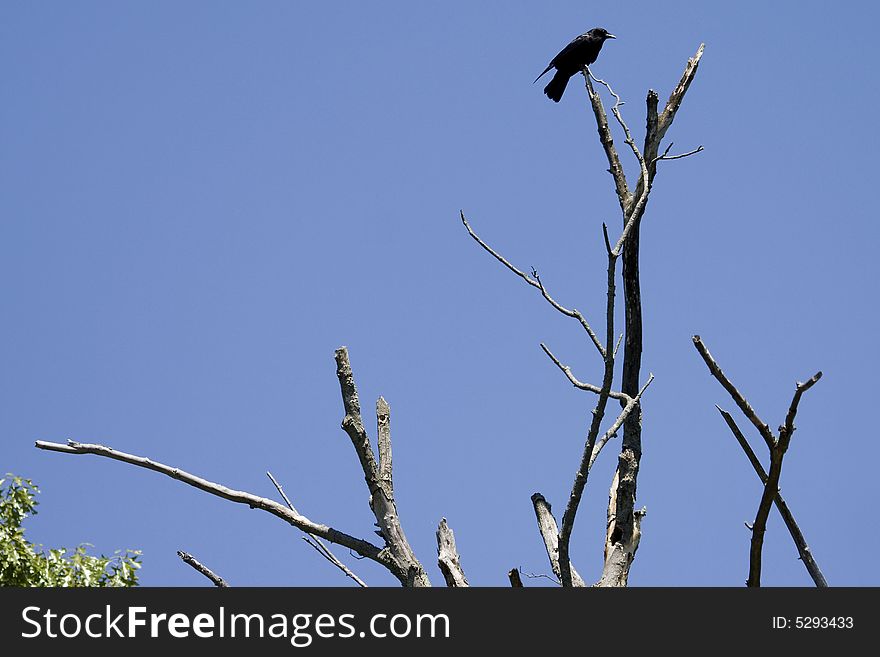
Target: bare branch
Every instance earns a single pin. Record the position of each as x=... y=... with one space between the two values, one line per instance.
x=628 y=212
x=665 y=119
x=316 y=542
x=631 y=404
x=204 y=570
x=550 y=533
x=618 y=103
x=631 y=213
x=381 y=490
x=588 y=457
x=579 y=384
x=600 y=443
x=777 y=447
x=536 y=283
x=282 y=493
x=580 y=479
x=771 y=486
x=806 y=555
x=665 y=156
x=743 y=404
x=615 y=168
x=515 y=579
x=612 y=431
x=786 y=430
x=659 y=124
x=447 y=557
x=759 y=526
x=744 y=444
x=353 y=423
x=321 y=548
x=542 y=576
x=361 y=547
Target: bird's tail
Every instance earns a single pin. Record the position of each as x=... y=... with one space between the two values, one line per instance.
x=556 y=87
x=549 y=66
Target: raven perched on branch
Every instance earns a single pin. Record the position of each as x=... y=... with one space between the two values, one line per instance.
x=582 y=51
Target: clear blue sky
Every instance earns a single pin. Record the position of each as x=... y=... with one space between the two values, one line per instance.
x=201 y=201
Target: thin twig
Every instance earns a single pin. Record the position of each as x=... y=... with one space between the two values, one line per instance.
x=542 y=576
x=316 y=542
x=536 y=283
x=580 y=384
x=204 y=570
x=665 y=155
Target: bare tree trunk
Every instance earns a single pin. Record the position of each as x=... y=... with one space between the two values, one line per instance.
x=623 y=528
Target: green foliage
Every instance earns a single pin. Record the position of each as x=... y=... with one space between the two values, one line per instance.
x=24 y=564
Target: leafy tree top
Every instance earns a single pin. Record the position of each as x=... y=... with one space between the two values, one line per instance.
x=24 y=564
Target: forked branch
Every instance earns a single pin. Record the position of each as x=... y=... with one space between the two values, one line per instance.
x=804 y=551
x=396 y=555
x=379 y=476
x=771 y=487
x=777 y=447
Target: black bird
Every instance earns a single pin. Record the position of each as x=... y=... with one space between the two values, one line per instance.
x=582 y=51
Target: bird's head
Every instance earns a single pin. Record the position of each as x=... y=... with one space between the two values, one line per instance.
x=601 y=33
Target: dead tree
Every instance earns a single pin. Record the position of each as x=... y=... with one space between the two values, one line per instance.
x=623 y=524
x=395 y=553
x=623 y=528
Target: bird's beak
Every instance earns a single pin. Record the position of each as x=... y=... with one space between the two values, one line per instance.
x=610 y=36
